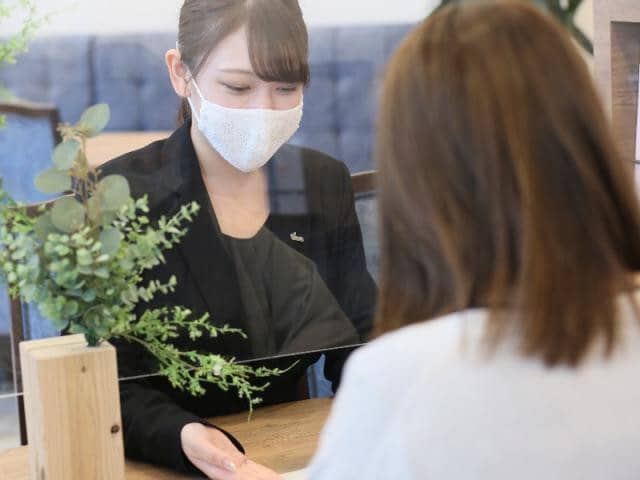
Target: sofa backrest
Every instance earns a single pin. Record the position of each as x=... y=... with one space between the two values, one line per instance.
x=128 y=73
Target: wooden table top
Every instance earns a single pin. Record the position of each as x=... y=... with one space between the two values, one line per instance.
x=110 y=145
x=281 y=437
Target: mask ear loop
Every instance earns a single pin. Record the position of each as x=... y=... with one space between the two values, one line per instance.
x=193 y=80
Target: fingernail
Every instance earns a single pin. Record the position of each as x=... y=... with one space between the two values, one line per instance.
x=229 y=465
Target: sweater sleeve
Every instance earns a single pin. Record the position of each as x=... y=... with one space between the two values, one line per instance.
x=355 y=427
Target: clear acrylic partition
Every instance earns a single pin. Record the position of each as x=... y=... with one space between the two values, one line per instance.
x=291 y=308
x=9 y=423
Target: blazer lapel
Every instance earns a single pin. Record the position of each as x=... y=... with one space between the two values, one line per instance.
x=209 y=264
x=291 y=217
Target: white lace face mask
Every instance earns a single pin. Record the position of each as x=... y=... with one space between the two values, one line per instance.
x=246 y=138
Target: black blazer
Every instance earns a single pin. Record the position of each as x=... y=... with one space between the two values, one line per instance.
x=312 y=198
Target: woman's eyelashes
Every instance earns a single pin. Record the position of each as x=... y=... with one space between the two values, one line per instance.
x=237 y=89
x=240 y=89
x=288 y=89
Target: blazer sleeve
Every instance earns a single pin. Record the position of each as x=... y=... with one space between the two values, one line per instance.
x=152 y=421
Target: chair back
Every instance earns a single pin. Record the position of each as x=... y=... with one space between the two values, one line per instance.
x=26 y=143
x=27 y=140
x=364 y=189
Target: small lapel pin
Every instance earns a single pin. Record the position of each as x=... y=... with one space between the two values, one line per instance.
x=296 y=238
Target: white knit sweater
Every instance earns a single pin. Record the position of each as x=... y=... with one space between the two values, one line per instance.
x=425 y=403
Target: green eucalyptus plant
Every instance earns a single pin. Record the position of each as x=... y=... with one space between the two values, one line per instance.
x=81 y=260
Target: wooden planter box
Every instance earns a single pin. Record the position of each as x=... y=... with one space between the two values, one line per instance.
x=72 y=409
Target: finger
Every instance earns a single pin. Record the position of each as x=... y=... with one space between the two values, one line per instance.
x=214 y=456
x=212 y=472
x=222 y=442
x=256 y=471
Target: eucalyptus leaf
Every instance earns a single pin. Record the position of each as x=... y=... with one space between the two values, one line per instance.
x=85 y=269
x=59 y=323
x=83 y=257
x=89 y=295
x=44 y=226
x=71 y=308
x=93 y=208
x=114 y=192
x=95 y=118
x=29 y=292
x=77 y=328
x=93 y=318
x=110 y=239
x=102 y=272
x=108 y=217
x=67 y=214
x=66 y=154
x=98 y=214
x=53 y=181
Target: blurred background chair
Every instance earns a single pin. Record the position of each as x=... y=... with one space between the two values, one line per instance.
x=26 y=144
x=364 y=190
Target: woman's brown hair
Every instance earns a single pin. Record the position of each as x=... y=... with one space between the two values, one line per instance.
x=500 y=185
x=277 y=37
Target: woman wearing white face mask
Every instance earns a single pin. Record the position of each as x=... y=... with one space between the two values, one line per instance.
x=276 y=248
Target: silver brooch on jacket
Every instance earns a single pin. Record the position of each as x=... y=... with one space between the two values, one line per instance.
x=294 y=236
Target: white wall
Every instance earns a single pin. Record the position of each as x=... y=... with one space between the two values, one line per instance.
x=584 y=19
x=118 y=16
x=331 y=12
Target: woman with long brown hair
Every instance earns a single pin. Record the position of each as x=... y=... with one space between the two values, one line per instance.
x=510 y=239
x=275 y=249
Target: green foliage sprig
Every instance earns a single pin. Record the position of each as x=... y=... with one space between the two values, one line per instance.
x=16 y=44
x=188 y=370
x=81 y=259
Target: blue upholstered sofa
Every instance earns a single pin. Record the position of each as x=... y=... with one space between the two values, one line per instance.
x=128 y=72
